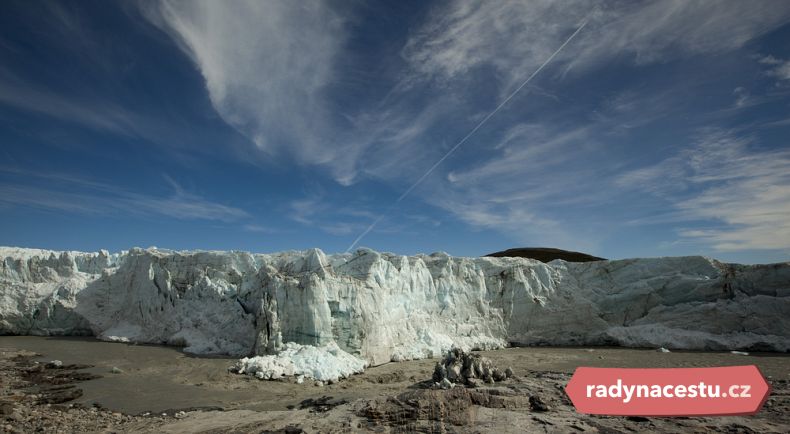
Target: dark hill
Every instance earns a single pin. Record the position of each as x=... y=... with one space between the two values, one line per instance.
x=546 y=254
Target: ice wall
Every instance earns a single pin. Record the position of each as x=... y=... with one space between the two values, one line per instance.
x=383 y=307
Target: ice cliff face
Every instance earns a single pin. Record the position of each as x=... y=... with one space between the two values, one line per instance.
x=382 y=307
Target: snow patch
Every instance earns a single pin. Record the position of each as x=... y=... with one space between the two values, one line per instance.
x=123 y=332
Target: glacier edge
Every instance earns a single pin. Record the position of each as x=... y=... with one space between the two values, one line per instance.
x=381 y=307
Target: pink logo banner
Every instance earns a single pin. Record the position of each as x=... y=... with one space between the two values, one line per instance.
x=720 y=391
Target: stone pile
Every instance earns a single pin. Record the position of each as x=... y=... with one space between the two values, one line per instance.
x=460 y=367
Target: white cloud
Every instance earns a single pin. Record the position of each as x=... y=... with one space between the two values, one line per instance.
x=180 y=206
x=525 y=149
x=269 y=66
x=532 y=185
x=740 y=193
x=260 y=229
x=91 y=96
x=265 y=64
x=741 y=97
x=778 y=68
x=98 y=115
x=387 y=142
x=73 y=194
x=315 y=211
x=516 y=36
x=319 y=212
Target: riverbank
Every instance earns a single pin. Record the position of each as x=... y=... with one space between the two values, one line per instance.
x=136 y=384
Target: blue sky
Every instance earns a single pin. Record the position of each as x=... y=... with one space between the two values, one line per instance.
x=660 y=129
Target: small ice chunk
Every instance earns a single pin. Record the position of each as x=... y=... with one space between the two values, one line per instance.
x=324 y=364
x=663 y=350
x=740 y=353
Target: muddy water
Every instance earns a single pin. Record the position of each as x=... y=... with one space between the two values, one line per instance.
x=156 y=378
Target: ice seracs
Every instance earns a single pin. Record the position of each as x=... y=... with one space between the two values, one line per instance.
x=322 y=363
x=379 y=307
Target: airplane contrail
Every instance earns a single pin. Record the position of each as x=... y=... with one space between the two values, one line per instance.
x=461 y=142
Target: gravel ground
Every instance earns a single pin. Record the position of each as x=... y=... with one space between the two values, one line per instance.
x=37 y=397
x=69 y=385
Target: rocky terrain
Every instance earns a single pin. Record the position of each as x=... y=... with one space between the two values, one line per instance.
x=37 y=397
x=393 y=398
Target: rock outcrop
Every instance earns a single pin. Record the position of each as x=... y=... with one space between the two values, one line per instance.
x=461 y=367
x=545 y=254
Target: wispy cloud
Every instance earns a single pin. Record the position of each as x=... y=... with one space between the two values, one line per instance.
x=91 y=96
x=388 y=142
x=738 y=193
x=83 y=196
x=260 y=229
x=530 y=187
x=98 y=115
x=545 y=176
x=316 y=212
x=319 y=212
x=778 y=68
x=514 y=37
x=742 y=97
x=525 y=149
x=269 y=67
x=265 y=64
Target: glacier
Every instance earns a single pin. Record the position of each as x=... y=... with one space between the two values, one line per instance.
x=380 y=307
